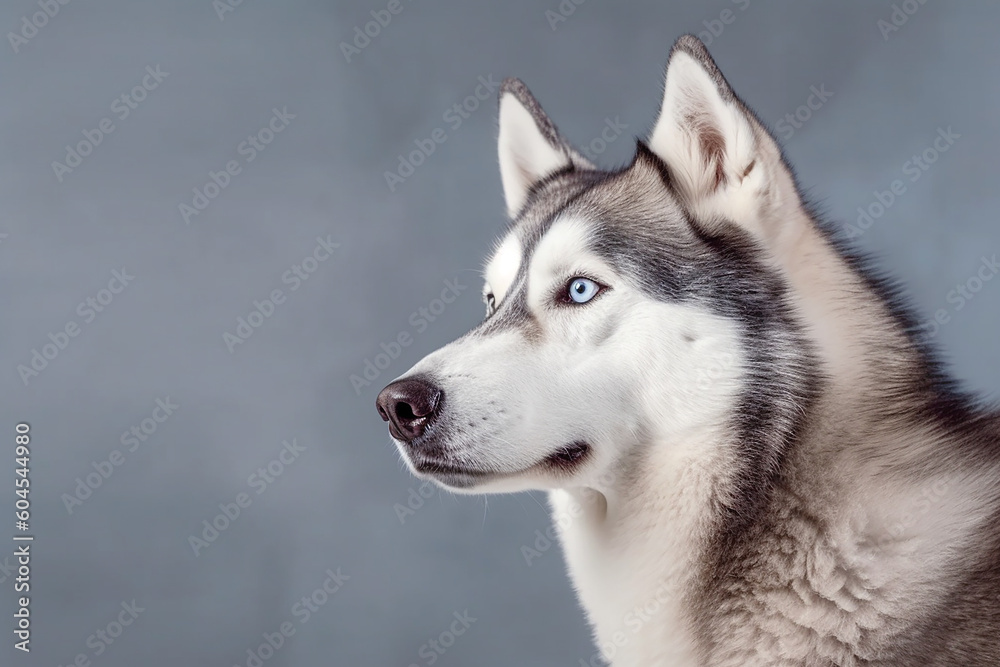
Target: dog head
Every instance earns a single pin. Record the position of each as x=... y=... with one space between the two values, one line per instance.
x=626 y=309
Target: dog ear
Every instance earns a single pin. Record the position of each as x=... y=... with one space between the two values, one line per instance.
x=529 y=145
x=720 y=157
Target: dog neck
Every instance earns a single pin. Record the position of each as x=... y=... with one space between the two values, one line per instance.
x=636 y=597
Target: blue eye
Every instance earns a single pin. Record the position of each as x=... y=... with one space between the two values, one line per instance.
x=582 y=290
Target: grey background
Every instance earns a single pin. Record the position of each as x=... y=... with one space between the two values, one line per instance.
x=162 y=336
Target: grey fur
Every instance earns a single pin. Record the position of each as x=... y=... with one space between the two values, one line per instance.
x=804 y=453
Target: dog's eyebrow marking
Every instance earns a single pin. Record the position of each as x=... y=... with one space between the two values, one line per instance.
x=564 y=248
x=502 y=268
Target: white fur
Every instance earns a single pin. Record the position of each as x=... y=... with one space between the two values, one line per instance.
x=502 y=268
x=693 y=106
x=525 y=155
x=655 y=385
x=651 y=386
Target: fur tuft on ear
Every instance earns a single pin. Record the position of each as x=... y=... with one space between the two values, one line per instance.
x=719 y=155
x=529 y=145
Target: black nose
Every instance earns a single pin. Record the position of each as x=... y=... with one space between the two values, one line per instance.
x=409 y=405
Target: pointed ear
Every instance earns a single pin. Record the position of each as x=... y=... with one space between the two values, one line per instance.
x=720 y=157
x=529 y=145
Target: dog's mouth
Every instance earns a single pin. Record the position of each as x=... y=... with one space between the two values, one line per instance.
x=568 y=458
x=564 y=460
x=450 y=474
x=432 y=467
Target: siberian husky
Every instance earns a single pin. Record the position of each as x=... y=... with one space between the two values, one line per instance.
x=752 y=458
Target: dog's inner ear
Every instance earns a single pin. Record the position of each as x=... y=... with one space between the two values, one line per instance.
x=719 y=155
x=530 y=148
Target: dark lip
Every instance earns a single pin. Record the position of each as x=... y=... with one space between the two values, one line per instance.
x=570 y=456
x=434 y=467
x=564 y=460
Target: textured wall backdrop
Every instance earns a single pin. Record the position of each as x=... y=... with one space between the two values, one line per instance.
x=168 y=167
